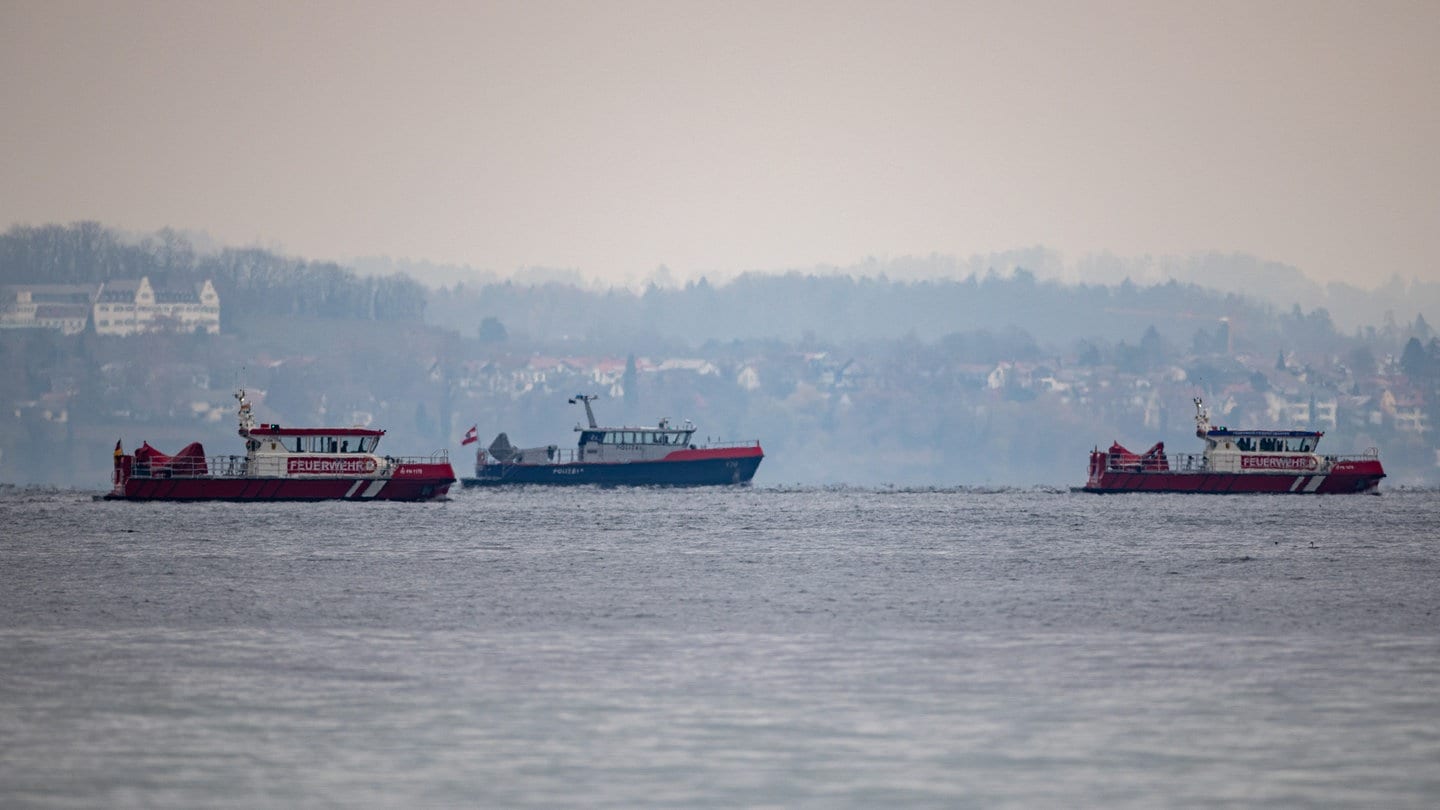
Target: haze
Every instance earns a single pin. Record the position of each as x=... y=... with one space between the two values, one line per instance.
x=616 y=137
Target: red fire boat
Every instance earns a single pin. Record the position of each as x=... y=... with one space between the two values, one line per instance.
x=282 y=464
x=1257 y=461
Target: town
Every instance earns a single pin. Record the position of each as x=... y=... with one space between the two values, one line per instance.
x=951 y=399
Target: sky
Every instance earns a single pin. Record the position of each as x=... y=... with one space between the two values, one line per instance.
x=715 y=138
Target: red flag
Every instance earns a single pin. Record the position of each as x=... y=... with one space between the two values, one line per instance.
x=471 y=435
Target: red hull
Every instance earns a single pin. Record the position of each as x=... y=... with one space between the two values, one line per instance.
x=1347 y=477
x=416 y=486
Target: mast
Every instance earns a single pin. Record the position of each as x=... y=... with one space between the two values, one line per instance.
x=247 y=421
x=1202 y=419
x=589 y=414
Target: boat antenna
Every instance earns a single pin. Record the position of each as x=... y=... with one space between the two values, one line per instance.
x=1202 y=419
x=589 y=414
x=246 y=418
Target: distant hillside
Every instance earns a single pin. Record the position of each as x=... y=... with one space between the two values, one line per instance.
x=926 y=293
x=249 y=280
x=998 y=375
x=794 y=307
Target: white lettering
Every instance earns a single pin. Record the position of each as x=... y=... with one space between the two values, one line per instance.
x=309 y=465
x=1278 y=462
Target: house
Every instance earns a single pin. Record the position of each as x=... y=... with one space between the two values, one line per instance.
x=119 y=307
x=46 y=306
x=129 y=307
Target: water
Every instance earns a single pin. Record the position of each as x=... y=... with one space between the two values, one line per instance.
x=722 y=648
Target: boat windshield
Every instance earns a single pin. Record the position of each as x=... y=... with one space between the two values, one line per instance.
x=1275 y=444
x=633 y=437
x=321 y=443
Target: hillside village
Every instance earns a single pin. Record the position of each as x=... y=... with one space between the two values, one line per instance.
x=1376 y=406
x=127 y=357
x=879 y=414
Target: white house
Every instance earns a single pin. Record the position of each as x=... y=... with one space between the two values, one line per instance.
x=128 y=307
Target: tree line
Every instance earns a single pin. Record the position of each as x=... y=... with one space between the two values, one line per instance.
x=248 y=280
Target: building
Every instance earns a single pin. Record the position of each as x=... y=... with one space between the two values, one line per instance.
x=128 y=307
x=46 y=306
x=123 y=307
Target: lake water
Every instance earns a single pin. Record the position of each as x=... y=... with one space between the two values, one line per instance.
x=756 y=647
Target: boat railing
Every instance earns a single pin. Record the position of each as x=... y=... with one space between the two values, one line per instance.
x=437 y=457
x=237 y=466
x=1196 y=462
x=539 y=455
x=1370 y=454
x=207 y=467
x=720 y=445
x=1170 y=462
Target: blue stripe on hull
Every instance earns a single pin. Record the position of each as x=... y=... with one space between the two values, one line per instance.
x=706 y=472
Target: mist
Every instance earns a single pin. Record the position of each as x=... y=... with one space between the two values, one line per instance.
x=874 y=376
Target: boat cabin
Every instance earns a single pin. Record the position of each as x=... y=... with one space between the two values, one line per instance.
x=272 y=439
x=276 y=439
x=1263 y=441
x=1256 y=451
x=663 y=435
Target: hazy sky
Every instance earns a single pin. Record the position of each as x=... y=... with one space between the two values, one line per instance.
x=613 y=137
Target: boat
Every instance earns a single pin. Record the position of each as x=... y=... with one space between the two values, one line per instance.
x=662 y=455
x=281 y=464
x=1254 y=461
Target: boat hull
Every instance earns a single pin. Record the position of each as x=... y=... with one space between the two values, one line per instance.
x=283 y=489
x=723 y=470
x=1364 y=478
